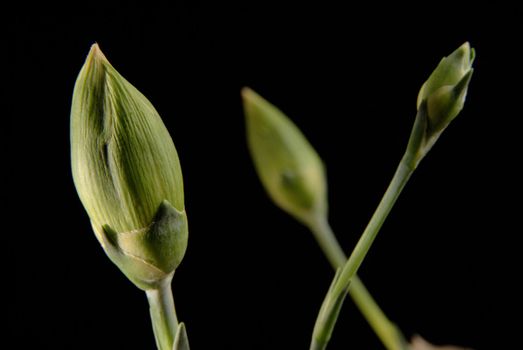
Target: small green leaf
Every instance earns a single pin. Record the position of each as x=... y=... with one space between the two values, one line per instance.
x=181 y=341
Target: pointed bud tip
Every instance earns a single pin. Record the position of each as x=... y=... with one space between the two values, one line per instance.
x=460 y=53
x=464 y=52
x=251 y=99
x=95 y=55
x=465 y=46
x=246 y=90
x=249 y=94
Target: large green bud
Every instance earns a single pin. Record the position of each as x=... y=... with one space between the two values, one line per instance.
x=440 y=100
x=288 y=166
x=127 y=174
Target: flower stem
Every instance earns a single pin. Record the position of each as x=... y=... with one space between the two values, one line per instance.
x=327 y=241
x=163 y=314
x=387 y=332
x=333 y=301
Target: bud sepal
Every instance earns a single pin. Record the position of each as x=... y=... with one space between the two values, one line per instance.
x=181 y=341
x=149 y=255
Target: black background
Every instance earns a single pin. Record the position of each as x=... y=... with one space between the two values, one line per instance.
x=446 y=263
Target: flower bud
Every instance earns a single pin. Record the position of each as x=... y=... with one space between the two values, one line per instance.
x=440 y=100
x=127 y=174
x=289 y=168
x=446 y=88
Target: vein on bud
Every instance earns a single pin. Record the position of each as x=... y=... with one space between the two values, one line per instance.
x=124 y=160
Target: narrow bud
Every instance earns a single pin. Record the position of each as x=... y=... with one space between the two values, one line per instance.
x=127 y=173
x=440 y=100
x=289 y=168
x=446 y=88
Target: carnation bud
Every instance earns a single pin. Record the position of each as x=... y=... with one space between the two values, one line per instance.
x=288 y=166
x=127 y=174
x=446 y=88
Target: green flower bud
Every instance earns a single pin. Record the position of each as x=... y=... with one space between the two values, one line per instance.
x=289 y=168
x=440 y=100
x=446 y=88
x=127 y=174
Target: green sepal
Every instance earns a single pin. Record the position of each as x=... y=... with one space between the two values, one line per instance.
x=419 y=142
x=446 y=103
x=148 y=255
x=181 y=341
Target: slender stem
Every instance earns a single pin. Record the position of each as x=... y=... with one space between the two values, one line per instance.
x=327 y=241
x=315 y=345
x=334 y=299
x=163 y=314
x=399 y=181
x=387 y=332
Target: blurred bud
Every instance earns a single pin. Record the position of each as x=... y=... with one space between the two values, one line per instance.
x=446 y=88
x=127 y=174
x=418 y=343
x=289 y=168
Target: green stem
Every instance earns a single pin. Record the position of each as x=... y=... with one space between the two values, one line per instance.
x=163 y=314
x=387 y=332
x=334 y=299
x=397 y=184
x=327 y=241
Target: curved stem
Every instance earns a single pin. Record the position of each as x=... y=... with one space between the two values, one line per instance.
x=334 y=298
x=387 y=332
x=163 y=314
